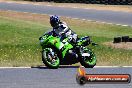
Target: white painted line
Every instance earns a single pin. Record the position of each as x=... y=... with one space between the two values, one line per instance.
x=9 y=2
x=111 y=66
x=23 y=3
x=13 y=67
x=106 y=66
x=36 y=4
x=83 y=19
x=74 y=7
x=125 y=25
x=118 y=24
x=60 y=6
x=103 y=22
x=87 y=8
x=108 y=23
x=89 y=20
x=26 y=12
x=126 y=66
x=48 y=5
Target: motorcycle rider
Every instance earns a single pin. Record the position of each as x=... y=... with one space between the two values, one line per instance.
x=62 y=30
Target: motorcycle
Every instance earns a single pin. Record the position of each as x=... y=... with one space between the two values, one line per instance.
x=56 y=51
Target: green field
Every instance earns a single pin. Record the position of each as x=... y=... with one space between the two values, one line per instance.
x=19 y=44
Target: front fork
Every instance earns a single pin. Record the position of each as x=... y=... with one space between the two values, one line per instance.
x=51 y=52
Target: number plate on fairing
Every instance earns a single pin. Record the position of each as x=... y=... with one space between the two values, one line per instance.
x=61 y=45
x=86 y=54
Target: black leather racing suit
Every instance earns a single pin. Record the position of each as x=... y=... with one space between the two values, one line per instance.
x=64 y=31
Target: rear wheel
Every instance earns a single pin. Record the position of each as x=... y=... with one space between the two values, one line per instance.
x=50 y=58
x=88 y=58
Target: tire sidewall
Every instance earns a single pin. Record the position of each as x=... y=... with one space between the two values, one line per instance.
x=44 y=56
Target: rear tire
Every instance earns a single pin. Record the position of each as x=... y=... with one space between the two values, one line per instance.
x=46 y=60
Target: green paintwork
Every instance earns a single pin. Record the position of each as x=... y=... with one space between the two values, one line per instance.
x=64 y=46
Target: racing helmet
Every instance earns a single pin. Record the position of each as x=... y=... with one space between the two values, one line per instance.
x=54 y=21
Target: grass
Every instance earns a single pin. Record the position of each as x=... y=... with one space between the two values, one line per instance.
x=19 y=44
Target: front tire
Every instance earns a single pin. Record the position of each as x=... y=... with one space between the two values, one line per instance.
x=88 y=61
x=48 y=59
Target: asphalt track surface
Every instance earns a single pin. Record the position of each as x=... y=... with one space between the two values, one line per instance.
x=123 y=18
x=64 y=77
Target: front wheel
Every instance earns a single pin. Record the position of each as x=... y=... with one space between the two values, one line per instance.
x=88 y=58
x=50 y=58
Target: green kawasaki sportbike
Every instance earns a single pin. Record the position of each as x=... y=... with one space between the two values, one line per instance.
x=56 y=51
